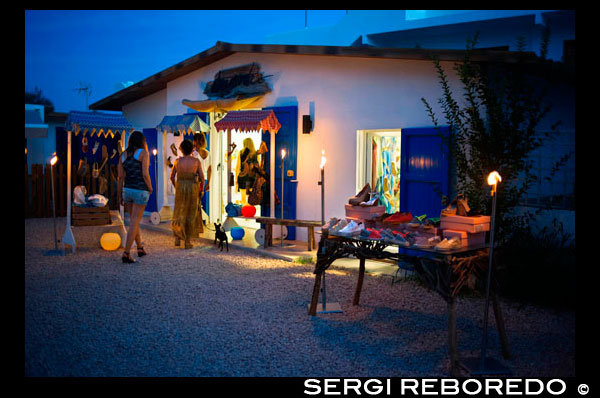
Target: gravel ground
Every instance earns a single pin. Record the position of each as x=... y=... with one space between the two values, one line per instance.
x=203 y=312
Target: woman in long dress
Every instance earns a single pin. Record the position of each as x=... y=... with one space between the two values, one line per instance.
x=188 y=179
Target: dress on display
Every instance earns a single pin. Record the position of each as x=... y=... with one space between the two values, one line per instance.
x=248 y=161
x=186 y=224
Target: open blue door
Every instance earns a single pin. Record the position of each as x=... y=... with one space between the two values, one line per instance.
x=286 y=138
x=424 y=171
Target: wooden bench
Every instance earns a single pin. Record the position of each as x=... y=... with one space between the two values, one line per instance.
x=269 y=222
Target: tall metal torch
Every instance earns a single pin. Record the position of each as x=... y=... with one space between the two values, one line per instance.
x=333 y=307
x=155 y=152
x=54 y=252
x=483 y=365
x=282 y=180
x=322 y=184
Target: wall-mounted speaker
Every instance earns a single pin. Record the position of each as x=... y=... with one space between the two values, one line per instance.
x=306 y=124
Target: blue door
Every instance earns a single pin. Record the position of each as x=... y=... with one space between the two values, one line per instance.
x=286 y=138
x=423 y=171
x=152 y=141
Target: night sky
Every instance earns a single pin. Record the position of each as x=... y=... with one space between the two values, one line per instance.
x=65 y=49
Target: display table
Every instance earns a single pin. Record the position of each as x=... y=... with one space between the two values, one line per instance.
x=444 y=272
x=116 y=226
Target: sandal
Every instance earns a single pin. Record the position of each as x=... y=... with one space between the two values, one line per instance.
x=417 y=221
x=141 y=252
x=177 y=242
x=127 y=258
x=188 y=245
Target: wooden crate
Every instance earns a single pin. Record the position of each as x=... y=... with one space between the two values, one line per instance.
x=88 y=216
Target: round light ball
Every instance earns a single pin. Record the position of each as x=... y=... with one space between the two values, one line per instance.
x=110 y=241
x=248 y=211
x=237 y=233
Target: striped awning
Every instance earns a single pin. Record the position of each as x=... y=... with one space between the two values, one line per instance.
x=183 y=124
x=97 y=123
x=249 y=120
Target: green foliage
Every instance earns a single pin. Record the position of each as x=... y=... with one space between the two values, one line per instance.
x=305 y=260
x=538 y=268
x=494 y=126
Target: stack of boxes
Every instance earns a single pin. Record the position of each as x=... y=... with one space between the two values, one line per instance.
x=470 y=230
x=364 y=214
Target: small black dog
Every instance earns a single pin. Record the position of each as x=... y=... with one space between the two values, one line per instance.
x=221 y=236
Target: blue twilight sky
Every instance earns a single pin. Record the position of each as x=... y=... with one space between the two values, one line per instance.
x=67 y=49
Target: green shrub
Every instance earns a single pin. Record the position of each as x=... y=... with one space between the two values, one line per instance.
x=538 y=267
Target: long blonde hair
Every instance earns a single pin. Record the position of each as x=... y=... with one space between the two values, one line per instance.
x=249 y=144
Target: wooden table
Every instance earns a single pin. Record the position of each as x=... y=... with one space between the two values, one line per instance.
x=116 y=225
x=269 y=222
x=444 y=272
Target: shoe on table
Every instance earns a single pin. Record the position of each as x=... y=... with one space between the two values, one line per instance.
x=362 y=196
x=398 y=218
x=352 y=229
x=417 y=221
x=373 y=202
x=431 y=223
x=450 y=210
x=411 y=237
x=364 y=234
x=448 y=244
x=462 y=207
x=338 y=226
x=422 y=243
x=374 y=234
x=332 y=221
x=397 y=239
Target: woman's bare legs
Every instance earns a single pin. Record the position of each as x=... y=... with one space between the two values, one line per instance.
x=135 y=217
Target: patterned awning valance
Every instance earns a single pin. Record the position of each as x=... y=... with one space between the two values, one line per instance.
x=97 y=123
x=249 y=120
x=183 y=124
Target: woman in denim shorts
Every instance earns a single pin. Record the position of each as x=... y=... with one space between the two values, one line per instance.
x=135 y=189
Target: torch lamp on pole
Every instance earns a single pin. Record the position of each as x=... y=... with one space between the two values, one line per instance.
x=484 y=365
x=155 y=152
x=333 y=307
x=282 y=180
x=54 y=252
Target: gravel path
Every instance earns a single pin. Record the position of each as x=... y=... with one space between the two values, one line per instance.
x=203 y=312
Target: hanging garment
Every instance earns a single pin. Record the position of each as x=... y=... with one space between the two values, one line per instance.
x=256 y=194
x=185 y=215
x=248 y=161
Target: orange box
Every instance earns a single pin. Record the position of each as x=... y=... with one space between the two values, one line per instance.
x=468 y=224
x=466 y=238
x=364 y=212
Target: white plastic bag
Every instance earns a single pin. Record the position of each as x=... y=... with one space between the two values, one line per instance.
x=98 y=200
x=79 y=195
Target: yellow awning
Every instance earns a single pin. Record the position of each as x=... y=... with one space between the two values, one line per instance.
x=220 y=105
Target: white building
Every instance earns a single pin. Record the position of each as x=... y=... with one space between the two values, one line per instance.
x=352 y=94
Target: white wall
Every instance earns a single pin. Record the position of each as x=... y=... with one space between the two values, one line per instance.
x=348 y=93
